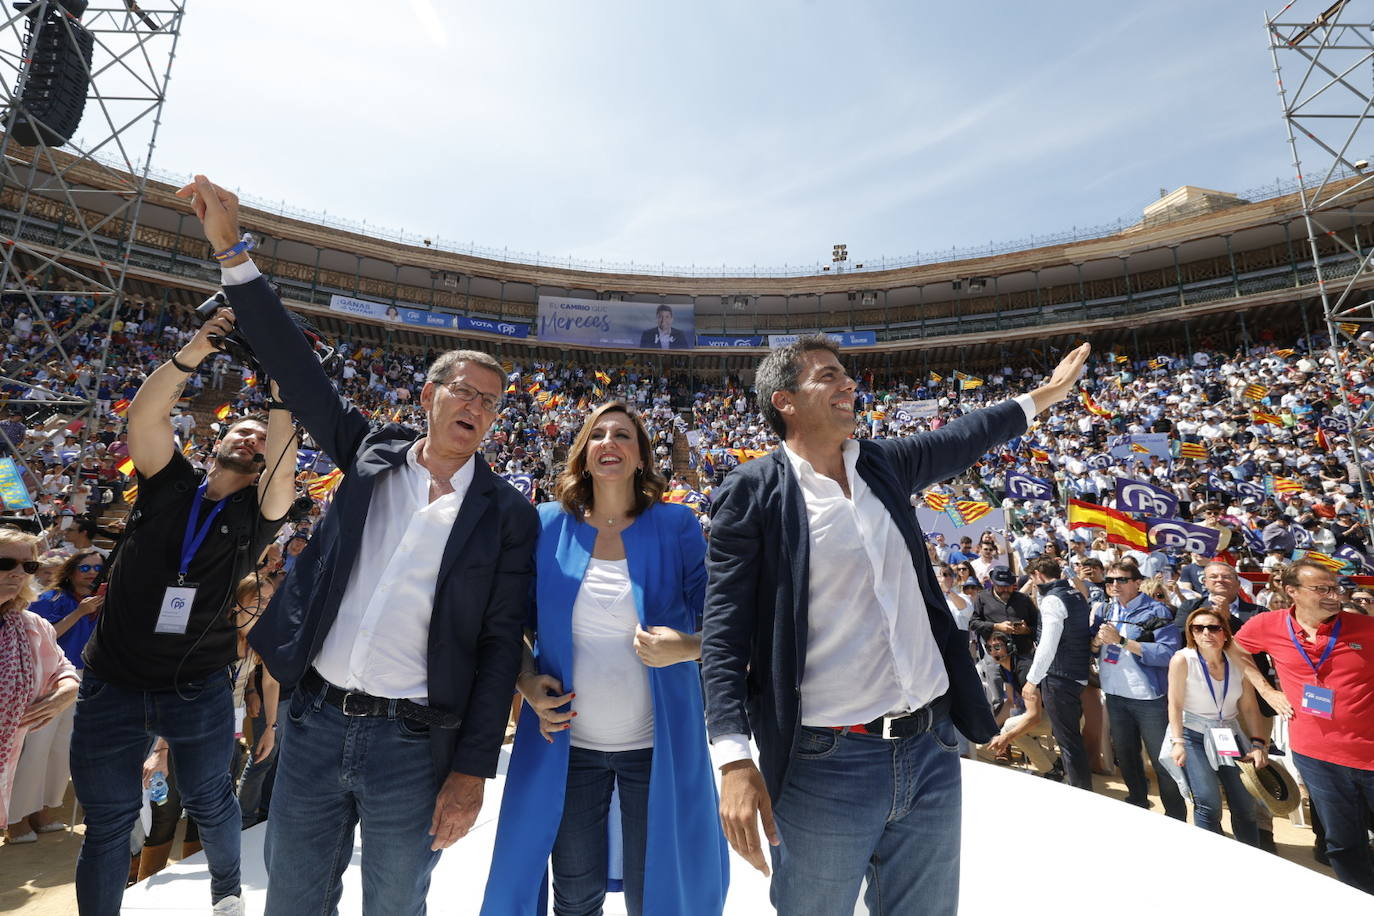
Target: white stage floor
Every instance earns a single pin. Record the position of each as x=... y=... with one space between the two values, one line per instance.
x=1063 y=835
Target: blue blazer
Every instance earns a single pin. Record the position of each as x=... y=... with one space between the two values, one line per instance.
x=479 y=596
x=686 y=869
x=754 y=639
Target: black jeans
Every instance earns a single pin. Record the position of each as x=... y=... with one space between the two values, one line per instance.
x=1063 y=700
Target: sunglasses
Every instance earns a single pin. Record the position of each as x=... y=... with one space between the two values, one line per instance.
x=9 y=563
x=87 y=567
x=1206 y=628
x=1117 y=580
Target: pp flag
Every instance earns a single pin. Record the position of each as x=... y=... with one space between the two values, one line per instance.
x=1145 y=498
x=1216 y=484
x=1176 y=534
x=1024 y=486
x=1246 y=489
x=1100 y=462
x=522 y=482
x=1359 y=562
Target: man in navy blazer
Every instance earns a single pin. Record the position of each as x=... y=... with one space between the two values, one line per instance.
x=828 y=640
x=399 y=625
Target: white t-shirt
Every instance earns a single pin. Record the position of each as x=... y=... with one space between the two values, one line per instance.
x=614 y=705
x=1199 y=701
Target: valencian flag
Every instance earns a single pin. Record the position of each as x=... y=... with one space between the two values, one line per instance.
x=965 y=511
x=1192 y=450
x=222 y=412
x=120 y=407
x=936 y=501
x=1123 y=359
x=1261 y=417
x=1121 y=529
x=970 y=383
x=1349 y=327
x=126 y=467
x=1093 y=407
x=936 y=377
x=1255 y=392
x=1159 y=362
x=1330 y=562
x=1139 y=449
x=131 y=494
x=1284 y=353
x=321 y=487
x=1281 y=486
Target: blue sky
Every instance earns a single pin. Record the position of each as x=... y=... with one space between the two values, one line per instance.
x=712 y=132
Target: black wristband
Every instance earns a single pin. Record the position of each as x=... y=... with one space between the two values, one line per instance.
x=189 y=370
x=276 y=405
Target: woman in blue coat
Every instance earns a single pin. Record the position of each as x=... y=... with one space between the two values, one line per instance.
x=613 y=699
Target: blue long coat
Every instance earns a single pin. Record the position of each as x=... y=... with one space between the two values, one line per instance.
x=686 y=869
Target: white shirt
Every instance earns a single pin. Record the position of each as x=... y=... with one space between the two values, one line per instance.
x=869 y=648
x=615 y=706
x=1053 y=613
x=379 y=642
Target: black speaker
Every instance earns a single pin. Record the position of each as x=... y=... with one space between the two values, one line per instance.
x=54 y=97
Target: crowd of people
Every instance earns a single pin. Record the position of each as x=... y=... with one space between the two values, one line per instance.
x=1094 y=652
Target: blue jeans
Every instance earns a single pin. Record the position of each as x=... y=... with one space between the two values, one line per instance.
x=110 y=739
x=333 y=772
x=580 y=849
x=1343 y=797
x=1132 y=721
x=1206 y=785
x=861 y=805
x=255 y=785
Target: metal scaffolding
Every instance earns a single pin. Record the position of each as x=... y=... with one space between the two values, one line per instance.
x=72 y=235
x=1327 y=116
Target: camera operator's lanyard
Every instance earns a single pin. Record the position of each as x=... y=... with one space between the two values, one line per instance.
x=1223 y=739
x=1316 y=699
x=177 y=600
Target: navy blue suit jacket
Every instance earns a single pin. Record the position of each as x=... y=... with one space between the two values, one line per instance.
x=484 y=576
x=754 y=638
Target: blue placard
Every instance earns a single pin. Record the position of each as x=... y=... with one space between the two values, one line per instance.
x=504 y=328
x=12 y=489
x=716 y=340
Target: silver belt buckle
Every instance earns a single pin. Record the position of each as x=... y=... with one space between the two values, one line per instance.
x=343 y=707
x=887 y=726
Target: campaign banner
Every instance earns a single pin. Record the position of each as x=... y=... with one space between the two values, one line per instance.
x=1024 y=486
x=522 y=482
x=906 y=411
x=1245 y=489
x=1099 y=462
x=610 y=323
x=1357 y=559
x=717 y=340
x=1302 y=538
x=1176 y=534
x=1140 y=446
x=12 y=490
x=504 y=328
x=843 y=339
x=363 y=308
x=1217 y=484
x=1144 y=498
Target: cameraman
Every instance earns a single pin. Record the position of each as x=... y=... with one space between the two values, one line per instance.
x=159 y=661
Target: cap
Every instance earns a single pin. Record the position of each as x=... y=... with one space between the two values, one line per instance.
x=1001 y=575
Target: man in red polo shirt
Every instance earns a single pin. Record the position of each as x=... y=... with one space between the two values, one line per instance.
x=1325 y=661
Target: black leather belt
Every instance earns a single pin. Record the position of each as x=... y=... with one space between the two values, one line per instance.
x=354 y=704
x=907 y=725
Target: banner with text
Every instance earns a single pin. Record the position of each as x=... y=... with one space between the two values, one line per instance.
x=608 y=323
x=720 y=340
x=424 y=318
x=844 y=339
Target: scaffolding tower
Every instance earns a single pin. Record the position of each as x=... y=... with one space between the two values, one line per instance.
x=76 y=200
x=1328 y=119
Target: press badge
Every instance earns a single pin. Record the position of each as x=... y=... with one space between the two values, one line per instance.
x=175 y=613
x=1111 y=654
x=1224 y=740
x=1319 y=701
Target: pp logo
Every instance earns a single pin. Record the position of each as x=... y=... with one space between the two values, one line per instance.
x=1021 y=488
x=1176 y=537
x=1145 y=499
x=178 y=603
x=507 y=329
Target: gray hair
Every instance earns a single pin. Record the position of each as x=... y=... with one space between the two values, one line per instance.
x=781 y=370
x=442 y=368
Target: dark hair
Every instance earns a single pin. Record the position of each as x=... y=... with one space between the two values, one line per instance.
x=781 y=370
x=1046 y=566
x=1092 y=562
x=574 y=489
x=1126 y=566
x=63 y=577
x=1289 y=574
x=663 y=307
x=1224 y=619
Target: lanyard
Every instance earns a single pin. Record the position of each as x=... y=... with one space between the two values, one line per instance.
x=1225 y=682
x=191 y=541
x=1330 y=644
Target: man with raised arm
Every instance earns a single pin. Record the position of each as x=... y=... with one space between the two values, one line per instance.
x=399 y=625
x=159 y=661
x=827 y=639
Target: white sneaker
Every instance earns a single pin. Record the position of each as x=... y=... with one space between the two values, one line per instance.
x=229 y=906
x=22 y=838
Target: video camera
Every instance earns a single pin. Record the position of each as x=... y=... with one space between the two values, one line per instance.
x=235 y=344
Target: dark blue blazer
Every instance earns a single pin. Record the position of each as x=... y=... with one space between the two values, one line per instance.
x=484 y=575
x=754 y=636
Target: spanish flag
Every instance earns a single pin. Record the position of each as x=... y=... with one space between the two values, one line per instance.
x=936 y=377
x=1255 y=392
x=1121 y=529
x=120 y=407
x=510 y=389
x=126 y=467
x=222 y=412
x=1037 y=455
x=602 y=377
x=1323 y=442
x=1192 y=450
x=250 y=382
x=533 y=388
x=971 y=382
x=1093 y=407
x=188 y=446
